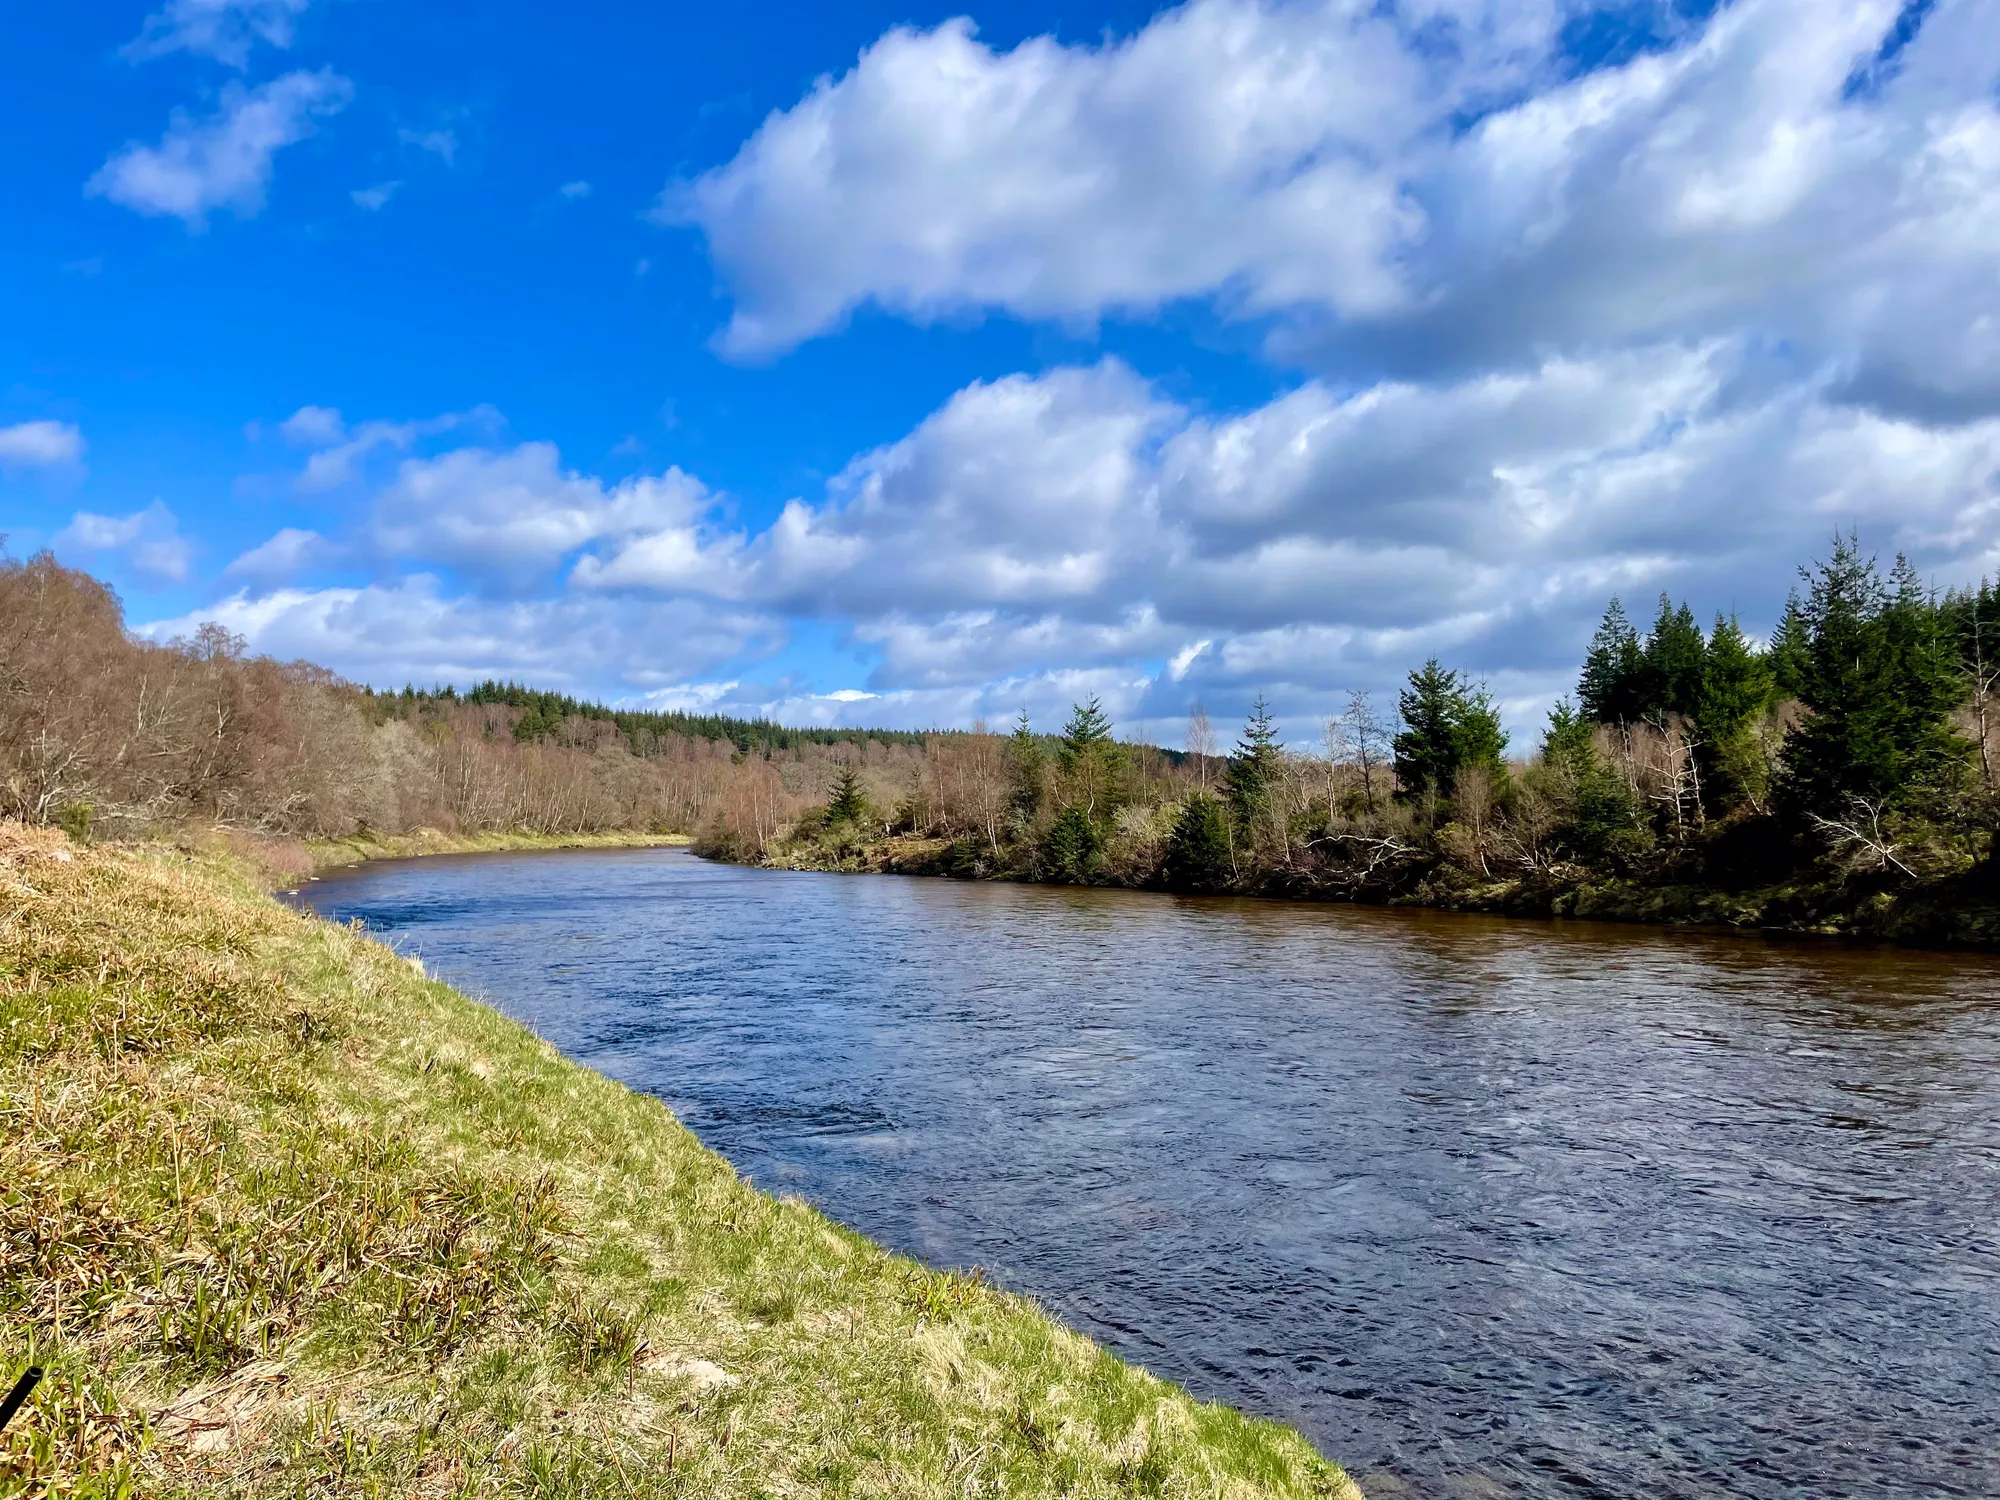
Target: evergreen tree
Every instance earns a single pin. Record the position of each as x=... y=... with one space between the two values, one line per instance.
x=1024 y=766
x=1599 y=813
x=1613 y=671
x=1087 y=732
x=1880 y=681
x=1790 y=651
x=1198 y=856
x=1735 y=691
x=1448 y=724
x=1252 y=771
x=849 y=803
x=1673 y=663
x=1091 y=761
x=1073 y=849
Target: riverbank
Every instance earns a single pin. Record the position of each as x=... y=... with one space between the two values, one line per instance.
x=283 y=1215
x=1961 y=910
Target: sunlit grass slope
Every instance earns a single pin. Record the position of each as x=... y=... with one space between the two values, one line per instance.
x=284 y=1217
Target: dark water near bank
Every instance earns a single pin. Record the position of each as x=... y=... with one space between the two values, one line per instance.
x=1485 y=1207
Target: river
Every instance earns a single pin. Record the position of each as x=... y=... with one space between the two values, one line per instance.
x=1486 y=1208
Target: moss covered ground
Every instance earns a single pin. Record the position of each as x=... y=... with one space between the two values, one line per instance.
x=282 y=1216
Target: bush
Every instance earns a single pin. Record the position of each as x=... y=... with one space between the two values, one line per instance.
x=1198 y=852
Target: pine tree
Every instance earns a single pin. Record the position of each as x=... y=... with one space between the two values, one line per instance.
x=1090 y=760
x=1088 y=729
x=849 y=803
x=1673 y=663
x=1599 y=814
x=1253 y=772
x=1613 y=671
x=1448 y=724
x=1024 y=765
x=1198 y=850
x=1073 y=850
x=1735 y=691
x=1878 y=678
x=1790 y=651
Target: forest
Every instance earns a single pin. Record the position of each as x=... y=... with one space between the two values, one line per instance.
x=1840 y=768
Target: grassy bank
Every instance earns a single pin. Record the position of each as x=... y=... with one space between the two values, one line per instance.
x=1957 y=910
x=333 y=854
x=282 y=1216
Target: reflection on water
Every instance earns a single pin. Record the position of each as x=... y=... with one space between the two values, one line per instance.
x=1485 y=1207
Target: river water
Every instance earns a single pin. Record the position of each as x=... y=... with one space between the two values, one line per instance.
x=1486 y=1208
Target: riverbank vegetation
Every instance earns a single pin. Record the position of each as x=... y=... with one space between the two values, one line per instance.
x=281 y=1216
x=1839 y=778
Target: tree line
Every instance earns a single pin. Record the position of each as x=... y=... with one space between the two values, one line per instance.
x=1853 y=748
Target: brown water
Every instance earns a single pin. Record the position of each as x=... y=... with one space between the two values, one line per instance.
x=1485 y=1207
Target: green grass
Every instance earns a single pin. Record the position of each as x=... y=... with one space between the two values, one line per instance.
x=284 y=1217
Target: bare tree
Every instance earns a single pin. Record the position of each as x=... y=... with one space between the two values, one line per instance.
x=1200 y=741
x=1369 y=736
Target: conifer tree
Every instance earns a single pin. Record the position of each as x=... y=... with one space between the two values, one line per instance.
x=1790 y=651
x=1600 y=815
x=1198 y=854
x=1735 y=691
x=1253 y=771
x=1448 y=724
x=1673 y=663
x=1090 y=760
x=1073 y=850
x=1613 y=671
x=1879 y=681
x=1024 y=766
x=849 y=803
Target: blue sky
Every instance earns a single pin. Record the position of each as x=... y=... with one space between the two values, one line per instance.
x=901 y=365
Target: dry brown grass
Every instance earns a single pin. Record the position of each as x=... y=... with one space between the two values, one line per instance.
x=283 y=1217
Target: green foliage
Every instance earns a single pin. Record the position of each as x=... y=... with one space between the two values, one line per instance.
x=1598 y=817
x=1092 y=763
x=1734 y=695
x=1087 y=733
x=1198 y=851
x=1675 y=657
x=849 y=802
x=1613 y=671
x=1448 y=724
x=1073 y=852
x=1252 y=771
x=1024 y=769
x=1790 y=652
x=1880 y=678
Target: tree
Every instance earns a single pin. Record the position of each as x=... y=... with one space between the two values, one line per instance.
x=1674 y=656
x=1880 y=682
x=849 y=803
x=1447 y=724
x=1735 y=691
x=1089 y=758
x=1073 y=849
x=1596 y=812
x=1252 y=773
x=1024 y=767
x=1613 y=683
x=1790 y=651
x=1365 y=735
x=1198 y=849
x=1200 y=742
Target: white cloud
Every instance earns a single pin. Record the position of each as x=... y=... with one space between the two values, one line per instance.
x=280 y=559
x=442 y=144
x=223 y=161
x=149 y=541
x=1314 y=161
x=376 y=198
x=575 y=190
x=513 y=515
x=314 y=427
x=40 y=444
x=222 y=29
x=411 y=631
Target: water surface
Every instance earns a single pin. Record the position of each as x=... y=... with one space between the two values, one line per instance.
x=1485 y=1207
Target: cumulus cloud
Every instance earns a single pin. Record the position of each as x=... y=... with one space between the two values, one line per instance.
x=225 y=30
x=148 y=541
x=40 y=444
x=513 y=515
x=1419 y=186
x=223 y=161
x=412 y=630
x=376 y=198
x=280 y=559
